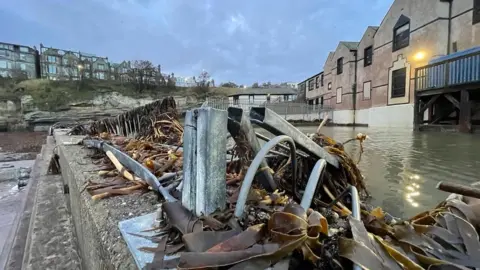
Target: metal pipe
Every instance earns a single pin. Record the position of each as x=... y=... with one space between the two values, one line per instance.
x=284 y=147
x=131 y=164
x=355 y=212
x=275 y=124
x=312 y=183
x=253 y=169
x=238 y=125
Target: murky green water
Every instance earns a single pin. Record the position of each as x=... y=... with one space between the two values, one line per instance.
x=402 y=168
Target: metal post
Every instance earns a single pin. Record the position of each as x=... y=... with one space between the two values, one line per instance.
x=211 y=165
x=189 y=160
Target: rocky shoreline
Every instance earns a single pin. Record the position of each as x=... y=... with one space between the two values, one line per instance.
x=18 y=151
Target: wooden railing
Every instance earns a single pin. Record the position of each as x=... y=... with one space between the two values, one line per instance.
x=458 y=71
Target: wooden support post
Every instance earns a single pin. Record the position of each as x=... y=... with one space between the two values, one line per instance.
x=417 y=120
x=430 y=113
x=465 y=119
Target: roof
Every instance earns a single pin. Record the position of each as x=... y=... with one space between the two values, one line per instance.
x=374 y=27
x=264 y=91
x=350 y=44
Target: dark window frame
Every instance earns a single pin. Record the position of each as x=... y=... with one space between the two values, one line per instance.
x=316 y=82
x=321 y=80
x=329 y=86
x=368 y=56
x=399 y=83
x=339 y=65
x=310 y=85
x=402 y=39
x=476 y=12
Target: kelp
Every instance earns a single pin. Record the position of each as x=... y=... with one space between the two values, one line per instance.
x=274 y=230
x=436 y=239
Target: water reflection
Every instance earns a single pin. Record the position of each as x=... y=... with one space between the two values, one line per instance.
x=402 y=168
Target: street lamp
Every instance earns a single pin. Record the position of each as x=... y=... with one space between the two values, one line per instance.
x=419 y=56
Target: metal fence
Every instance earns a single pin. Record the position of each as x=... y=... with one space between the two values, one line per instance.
x=289 y=110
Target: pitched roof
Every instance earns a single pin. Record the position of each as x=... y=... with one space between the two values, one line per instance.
x=350 y=45
x=264 y=91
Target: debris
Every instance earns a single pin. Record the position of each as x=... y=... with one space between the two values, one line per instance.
x=262 y=226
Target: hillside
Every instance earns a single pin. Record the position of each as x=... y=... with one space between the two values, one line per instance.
x=50 y=95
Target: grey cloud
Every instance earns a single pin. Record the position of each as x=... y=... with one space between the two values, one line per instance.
x=242 y=41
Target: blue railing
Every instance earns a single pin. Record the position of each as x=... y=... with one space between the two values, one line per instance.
x=453 y=71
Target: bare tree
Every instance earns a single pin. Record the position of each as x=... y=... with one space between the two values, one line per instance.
x=171 y=82
x=18 y=75
x=203 y=84
x=141 y=74
x=255 y=85
x=71 y=68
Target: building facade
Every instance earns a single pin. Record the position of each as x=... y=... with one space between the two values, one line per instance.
x=18 y=60
x=372 y=82
x=58 y=64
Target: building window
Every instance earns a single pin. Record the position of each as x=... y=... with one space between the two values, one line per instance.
x=368 y=57
x=23 y=49
x=101 y=66
x=101 y=75
x=340 y=65
x=399 y=78
x=251 y=98
x=367 y=90
x=310 y=85
x=3 y=53
x=401 y=33
x=316 y=82
x=329 y=86
x=321 y=80
x=52 y=69
x=286 y=97
x=339 y=95
x=235 y=100
x=476 y=12
x=51 y=59
x=3 y=64
x=23 y=57
x=23 y=67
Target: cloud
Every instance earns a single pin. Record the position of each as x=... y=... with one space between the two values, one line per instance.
x=242 y=41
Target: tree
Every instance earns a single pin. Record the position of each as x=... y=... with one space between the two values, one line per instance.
x=229 y=85
x=18 y=75
x=141 y=74
x=71 y=68
x=171 y=82
x=267 y=85
x=202 y=84
x=255 y=85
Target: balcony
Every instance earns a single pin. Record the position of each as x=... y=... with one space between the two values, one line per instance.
x=449 y=73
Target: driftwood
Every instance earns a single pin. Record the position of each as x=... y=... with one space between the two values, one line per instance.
x=136 y=122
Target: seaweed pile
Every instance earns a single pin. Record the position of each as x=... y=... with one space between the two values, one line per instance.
x=275 y=230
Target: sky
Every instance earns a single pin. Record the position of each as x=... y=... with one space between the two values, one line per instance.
x=243 y=41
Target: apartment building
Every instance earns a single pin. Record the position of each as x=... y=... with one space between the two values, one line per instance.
x=372 y=82
x=18 y=60
x=58 y=64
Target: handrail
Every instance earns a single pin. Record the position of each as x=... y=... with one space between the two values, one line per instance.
x=440 y=74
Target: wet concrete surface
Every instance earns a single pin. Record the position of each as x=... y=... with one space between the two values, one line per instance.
x=10 y=202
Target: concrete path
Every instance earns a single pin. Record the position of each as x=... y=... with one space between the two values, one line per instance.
x=10 y=203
